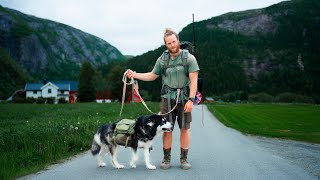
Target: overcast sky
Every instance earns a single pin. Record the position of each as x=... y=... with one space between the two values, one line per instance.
x=132 y=26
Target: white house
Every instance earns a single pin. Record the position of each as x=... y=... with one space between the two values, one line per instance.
x=48 y=90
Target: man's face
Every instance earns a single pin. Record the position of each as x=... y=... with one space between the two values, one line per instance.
x=172 y=44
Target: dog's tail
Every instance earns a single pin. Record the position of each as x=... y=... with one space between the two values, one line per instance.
x=95 y=147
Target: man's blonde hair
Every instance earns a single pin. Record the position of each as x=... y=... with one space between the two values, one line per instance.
x=169 y=32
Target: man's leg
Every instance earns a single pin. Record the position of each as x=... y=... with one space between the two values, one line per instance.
x=184 y=138
x=167 y=141
x=166 y=138
x=184 y=144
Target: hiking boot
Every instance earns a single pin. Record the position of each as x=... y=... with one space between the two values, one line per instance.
x=166 y=159
x=183 y=159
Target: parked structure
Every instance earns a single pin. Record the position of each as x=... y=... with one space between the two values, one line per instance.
x=56 y=89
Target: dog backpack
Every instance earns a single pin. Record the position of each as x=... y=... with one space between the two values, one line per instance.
x=123 y=131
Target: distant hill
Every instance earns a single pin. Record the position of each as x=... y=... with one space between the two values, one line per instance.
x=273 y=50
x=43 y=49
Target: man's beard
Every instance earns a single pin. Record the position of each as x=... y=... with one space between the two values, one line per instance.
x=174 y=50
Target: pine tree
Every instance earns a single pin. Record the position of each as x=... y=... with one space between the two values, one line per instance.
x=86 y=88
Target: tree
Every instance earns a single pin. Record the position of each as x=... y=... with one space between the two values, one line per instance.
x=86 y=89
x=115 y=81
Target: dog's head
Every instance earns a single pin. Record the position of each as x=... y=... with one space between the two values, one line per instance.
x=154 y=124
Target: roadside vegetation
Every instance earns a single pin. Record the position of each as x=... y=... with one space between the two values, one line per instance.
x=289 y=121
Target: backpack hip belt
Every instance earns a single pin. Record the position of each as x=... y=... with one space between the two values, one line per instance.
x=166 y=90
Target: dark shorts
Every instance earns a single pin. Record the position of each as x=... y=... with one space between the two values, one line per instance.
x=177 y=112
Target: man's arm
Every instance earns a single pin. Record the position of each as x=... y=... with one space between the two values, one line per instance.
x=193 y=83
x=150 y=76
x=193 y=88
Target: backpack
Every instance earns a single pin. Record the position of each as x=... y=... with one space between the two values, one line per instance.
x=125 y=126
x=123 y=131
x=187 y=48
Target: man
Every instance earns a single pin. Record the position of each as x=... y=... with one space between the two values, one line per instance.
x=176 y=75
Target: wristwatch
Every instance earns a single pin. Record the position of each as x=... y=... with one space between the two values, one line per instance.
x=191 y=99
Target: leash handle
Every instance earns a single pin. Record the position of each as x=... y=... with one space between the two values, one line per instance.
x=124 y=80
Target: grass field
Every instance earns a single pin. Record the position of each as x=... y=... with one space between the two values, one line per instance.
x=289 y=121
x=32 y=136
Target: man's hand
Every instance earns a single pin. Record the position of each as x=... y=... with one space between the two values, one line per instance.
x=188 y=107
x=130 y=73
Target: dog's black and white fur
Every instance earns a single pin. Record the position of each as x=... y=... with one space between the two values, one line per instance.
x=146 y=128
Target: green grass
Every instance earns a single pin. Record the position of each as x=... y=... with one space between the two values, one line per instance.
x=33 y=136
x=289 y=121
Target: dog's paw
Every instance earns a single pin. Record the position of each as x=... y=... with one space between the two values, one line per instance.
x=151 y=167
x=102 y=164
x=133 y=166
x=120 y=166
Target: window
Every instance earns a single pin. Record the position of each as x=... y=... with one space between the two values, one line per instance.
x=34 y=92
x=62 y=92
x=49 y=91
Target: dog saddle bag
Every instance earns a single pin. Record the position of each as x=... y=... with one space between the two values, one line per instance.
x=123 y=131
x=125 y=126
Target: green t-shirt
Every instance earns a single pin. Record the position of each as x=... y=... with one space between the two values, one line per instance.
x=175 y=73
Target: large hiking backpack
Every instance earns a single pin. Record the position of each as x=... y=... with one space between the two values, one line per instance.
x=123 y=131
x=187 y=48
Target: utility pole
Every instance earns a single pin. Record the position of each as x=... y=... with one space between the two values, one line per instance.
x=194 y=34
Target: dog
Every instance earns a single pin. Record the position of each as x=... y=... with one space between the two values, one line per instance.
x=146 y=129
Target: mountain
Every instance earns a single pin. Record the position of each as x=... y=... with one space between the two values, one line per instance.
x=43 y=49
x=273 y=50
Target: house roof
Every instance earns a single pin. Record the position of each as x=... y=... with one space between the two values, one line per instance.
x=33 y=87
x=62 y=85
x=73 y=84
x=49 y=84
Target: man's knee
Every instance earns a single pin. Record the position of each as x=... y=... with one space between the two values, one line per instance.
x=167 y=134
x=184 y=130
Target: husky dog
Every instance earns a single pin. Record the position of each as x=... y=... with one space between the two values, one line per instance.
x=146 y=128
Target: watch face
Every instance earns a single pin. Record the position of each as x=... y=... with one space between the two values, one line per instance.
x=191 y=99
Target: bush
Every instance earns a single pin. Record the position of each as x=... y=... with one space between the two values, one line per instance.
x=50 y=100
x=40 y=100
x=62 y=101
x=288 y=97
x=261 y=97
x=145 y=95
x=30 y=100
x=232 y=96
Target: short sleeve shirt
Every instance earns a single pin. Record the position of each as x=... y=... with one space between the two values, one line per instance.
x=171 y=78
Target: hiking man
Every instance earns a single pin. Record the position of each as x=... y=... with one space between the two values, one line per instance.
x=179 y=70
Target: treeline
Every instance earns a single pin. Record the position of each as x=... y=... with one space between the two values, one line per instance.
x=285 y=61
x=12 y=76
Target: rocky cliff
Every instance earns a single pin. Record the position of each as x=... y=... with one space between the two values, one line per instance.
x=47 y=47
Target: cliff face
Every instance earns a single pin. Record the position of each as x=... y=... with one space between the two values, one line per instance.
x=40 y=45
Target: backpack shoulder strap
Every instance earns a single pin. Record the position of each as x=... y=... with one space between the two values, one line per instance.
x=185 y=54
x=165 y=57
